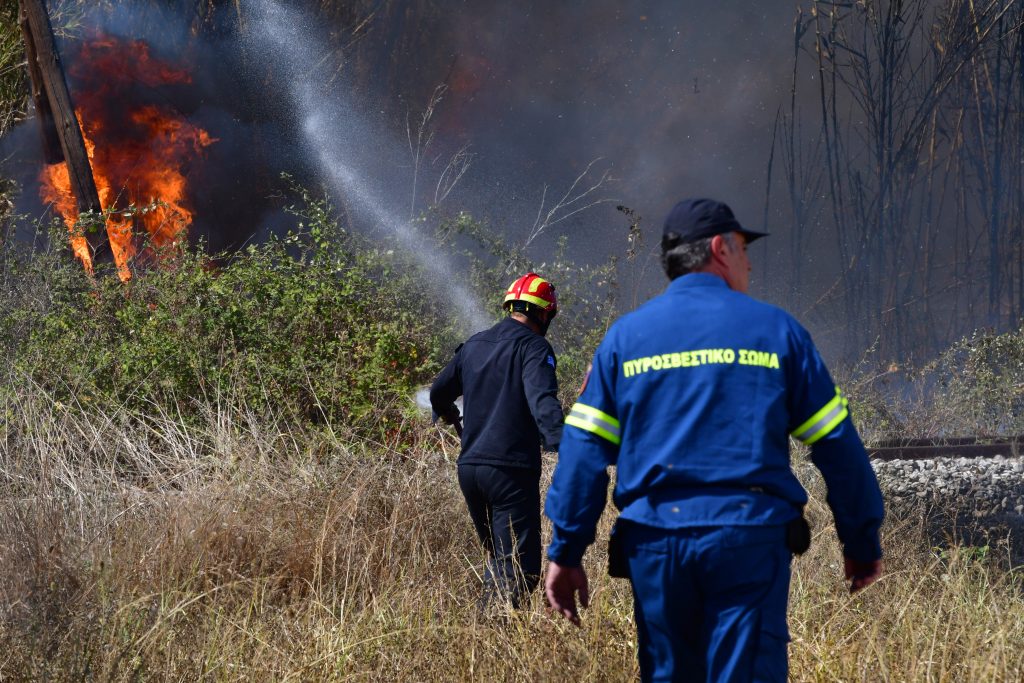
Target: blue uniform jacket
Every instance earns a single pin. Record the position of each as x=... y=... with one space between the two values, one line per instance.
x=506 y=377
x=693 y=397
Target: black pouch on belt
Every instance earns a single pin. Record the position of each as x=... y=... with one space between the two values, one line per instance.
x=618 y=565
x=798 y=535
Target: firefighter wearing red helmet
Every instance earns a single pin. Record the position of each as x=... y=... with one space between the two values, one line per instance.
x=506 y=377
x=533 y=296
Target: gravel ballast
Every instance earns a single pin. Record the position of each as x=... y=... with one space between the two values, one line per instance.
x=976 y=501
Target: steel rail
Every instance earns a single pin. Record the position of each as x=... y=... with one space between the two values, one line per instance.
x=960 y=447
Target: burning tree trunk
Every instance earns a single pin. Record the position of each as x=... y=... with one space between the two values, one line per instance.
x=57 y=116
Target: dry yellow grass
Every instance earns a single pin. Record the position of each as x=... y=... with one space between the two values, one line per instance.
x=937 y=614
x=134 y=547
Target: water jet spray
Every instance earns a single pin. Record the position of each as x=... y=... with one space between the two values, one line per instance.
x=354 y=156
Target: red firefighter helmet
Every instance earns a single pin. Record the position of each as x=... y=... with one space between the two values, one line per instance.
x=535 y=290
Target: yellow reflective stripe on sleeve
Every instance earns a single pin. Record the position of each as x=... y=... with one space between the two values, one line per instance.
x=594 y=421
x=824 y=421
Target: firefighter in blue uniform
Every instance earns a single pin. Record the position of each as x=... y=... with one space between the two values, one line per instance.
x=506 y=376
x=693 y=397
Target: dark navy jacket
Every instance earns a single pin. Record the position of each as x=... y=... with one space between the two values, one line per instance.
x=693 y=397
x=506 y=377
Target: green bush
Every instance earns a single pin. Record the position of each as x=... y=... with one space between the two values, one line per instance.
x=13 y=86
x=318 y=325
x=973 y=388
x=978 y=385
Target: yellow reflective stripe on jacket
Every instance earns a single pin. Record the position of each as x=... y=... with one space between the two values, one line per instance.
x=594 y=421
x=824 y=421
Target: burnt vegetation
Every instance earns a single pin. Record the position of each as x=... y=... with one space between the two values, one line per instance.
x=216 y=469
x=910 y=162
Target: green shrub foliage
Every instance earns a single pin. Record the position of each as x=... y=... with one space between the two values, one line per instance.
x=318 y=325
x=973 y=388
x=978 y=385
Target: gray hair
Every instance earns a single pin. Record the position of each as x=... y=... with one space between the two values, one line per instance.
x=679 y=258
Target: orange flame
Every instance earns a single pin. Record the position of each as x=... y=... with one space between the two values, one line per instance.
x=140 y=155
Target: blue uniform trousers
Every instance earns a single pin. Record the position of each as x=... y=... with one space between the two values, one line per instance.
x=710 y=602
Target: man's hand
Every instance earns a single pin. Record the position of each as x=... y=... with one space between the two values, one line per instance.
x=561 y=586
x=861 y=574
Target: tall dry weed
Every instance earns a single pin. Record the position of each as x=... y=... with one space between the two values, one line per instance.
x=135 y=547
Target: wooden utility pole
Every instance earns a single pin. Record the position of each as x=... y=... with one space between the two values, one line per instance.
x=57 y=116
x=52 y=153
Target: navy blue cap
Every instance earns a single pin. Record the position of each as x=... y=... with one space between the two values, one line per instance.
x=695 y=219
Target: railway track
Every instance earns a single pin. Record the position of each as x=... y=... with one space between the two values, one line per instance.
x=966 y=447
